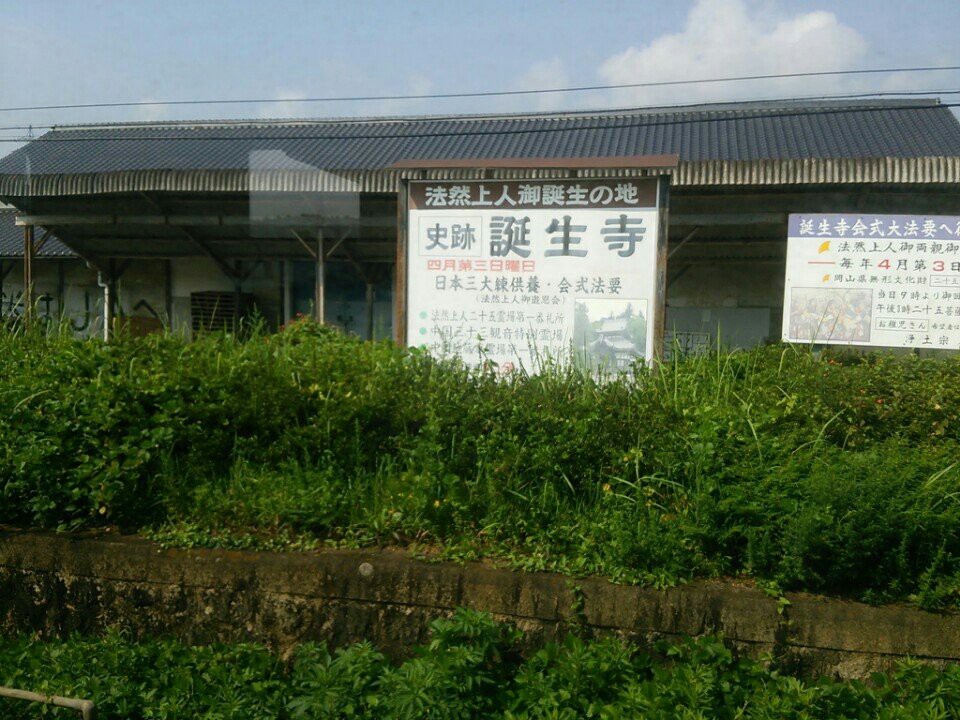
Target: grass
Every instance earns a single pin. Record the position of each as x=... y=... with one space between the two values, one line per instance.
x=823 y=472
x=471 y=668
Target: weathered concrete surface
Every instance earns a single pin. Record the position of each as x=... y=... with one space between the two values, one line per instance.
x=54 y=584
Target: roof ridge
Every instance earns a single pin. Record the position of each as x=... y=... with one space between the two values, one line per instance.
x=718 y=108
x=725 y=132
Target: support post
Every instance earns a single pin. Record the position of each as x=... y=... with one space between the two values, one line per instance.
x=306 y=246
x=660 y=298
x=281 y=294
x=205 y=249
x=237 y=294
x=367 y=279
x=318 y=308
x=61 y=291
x=370 y=290
x=28 y=252
x=688 y=238
x=112 y=278
x=168 y=292
x=107 y=286
x=400 y=287
x=287 y=290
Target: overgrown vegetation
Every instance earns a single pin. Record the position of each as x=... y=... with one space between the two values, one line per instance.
x=828 y=473
x=470 y=669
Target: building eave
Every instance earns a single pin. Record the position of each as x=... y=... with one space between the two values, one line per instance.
x=715 y=173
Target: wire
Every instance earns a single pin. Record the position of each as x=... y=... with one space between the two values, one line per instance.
x=227 y=122
x=489 y=93
x=732 y=117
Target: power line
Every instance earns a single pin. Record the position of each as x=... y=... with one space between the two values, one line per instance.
x=488 y=93
x=279 y=122
x=732 y=117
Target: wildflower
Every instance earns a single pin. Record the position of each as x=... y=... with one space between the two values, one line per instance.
x=606 y=487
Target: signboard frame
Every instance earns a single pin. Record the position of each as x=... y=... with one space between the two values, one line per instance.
x=486 y=172
x=872 y=280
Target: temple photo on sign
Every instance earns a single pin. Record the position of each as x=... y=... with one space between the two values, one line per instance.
x=609 y=334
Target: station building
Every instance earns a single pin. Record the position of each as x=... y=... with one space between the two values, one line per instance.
x=199 y=224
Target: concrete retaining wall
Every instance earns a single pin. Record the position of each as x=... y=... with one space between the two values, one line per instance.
x=56 y=584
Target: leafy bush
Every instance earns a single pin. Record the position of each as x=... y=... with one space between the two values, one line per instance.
x=831 y=473
x=470 y=669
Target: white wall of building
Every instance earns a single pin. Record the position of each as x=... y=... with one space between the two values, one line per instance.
x=739 y=302
x=191 y=275
x=68 y=289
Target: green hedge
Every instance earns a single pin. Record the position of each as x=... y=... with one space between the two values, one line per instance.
x=829 y=473
x=470 y=669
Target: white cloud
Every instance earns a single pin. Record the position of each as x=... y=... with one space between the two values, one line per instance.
x=149 y=113
x=414 y=85
x=733 y=38
x=419 y=85
x=545 y=74
x=287 y=109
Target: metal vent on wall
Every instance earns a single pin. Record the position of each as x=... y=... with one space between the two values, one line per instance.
x=213 y=310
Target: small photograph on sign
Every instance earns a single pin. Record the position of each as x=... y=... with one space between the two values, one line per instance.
x=831 y=315
x=609 y=334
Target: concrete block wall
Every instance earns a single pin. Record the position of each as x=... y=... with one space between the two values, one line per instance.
x=55 y=584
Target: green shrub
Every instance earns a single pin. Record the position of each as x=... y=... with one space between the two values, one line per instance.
x=470 y=669
x=834 y=473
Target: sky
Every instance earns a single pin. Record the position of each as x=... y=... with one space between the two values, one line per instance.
x=88 y=51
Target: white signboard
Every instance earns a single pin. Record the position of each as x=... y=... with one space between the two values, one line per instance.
x=517 y=272
x=873 y=280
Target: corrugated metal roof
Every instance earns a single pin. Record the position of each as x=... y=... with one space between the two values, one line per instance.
x=11 y=240
x=759 y=142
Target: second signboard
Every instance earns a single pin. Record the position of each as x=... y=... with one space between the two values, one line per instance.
x=873 y=280
x=515 y=273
